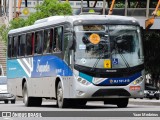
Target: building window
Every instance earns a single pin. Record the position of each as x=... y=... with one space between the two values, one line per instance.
x=78 y=4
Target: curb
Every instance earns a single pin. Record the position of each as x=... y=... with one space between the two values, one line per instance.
x=144 y=102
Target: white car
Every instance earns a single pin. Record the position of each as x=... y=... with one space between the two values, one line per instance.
x=4 y=95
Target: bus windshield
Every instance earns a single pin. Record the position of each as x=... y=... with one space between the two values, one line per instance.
x=121 y=44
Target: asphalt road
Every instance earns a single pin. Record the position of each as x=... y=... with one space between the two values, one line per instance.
x=50 y=105
x=92 y=109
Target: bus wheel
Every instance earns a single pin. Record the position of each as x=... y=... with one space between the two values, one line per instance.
x=26 y=99
x=30 y=101
x=61 y=102
x=122 y=102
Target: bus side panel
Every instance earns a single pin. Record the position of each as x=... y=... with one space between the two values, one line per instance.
x=11 y=86
x=41 y=87
x=15 y=73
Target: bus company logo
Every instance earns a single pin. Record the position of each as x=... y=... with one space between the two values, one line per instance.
x=42 y=68
x=111 y=81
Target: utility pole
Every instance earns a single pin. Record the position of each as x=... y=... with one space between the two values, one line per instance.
x=15 y=8
x=10 y=10
x=0 y=8
x=37 y=2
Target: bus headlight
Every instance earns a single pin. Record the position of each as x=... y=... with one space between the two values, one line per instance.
x=83 y=81
x=138 y=80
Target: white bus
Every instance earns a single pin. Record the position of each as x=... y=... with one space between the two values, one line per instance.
x=75 y=59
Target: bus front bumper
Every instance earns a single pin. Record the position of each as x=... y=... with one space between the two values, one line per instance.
x=91 y=91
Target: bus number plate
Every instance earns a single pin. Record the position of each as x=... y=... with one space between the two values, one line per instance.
x=134 y=87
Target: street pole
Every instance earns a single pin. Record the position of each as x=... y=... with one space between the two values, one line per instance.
x=37 y=2
x=10 y=10
x=14 y=8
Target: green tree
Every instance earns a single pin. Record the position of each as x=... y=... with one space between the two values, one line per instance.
x=49 y=8
x=151 y=44
x=46 y=9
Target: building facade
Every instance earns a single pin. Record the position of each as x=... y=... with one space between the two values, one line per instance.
x=4 y=5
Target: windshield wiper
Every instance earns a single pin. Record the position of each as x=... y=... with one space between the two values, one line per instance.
x=122 y=56
x=98 y=59
x=95 y=64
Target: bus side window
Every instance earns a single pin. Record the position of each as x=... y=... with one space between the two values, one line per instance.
x=14 y=46
x=9 y=47
x=38 y=42
x=29 y=44
x=21 y=49
x=58 y=36
x=48 y=36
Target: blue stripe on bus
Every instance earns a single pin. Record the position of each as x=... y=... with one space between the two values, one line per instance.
x=113 y=81
x=85 y=76
x=121 y=81
x=14 y=69
x=43 y=66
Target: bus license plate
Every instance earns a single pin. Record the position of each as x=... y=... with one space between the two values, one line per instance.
x=134 y=87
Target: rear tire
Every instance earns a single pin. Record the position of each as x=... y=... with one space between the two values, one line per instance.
x=61 y=101
x=13 y=101
x=30 y=101
x=122 y=103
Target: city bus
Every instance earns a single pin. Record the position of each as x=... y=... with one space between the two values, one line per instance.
x=75 y=59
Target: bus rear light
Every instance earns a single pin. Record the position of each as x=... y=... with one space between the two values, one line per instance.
x=135 y=88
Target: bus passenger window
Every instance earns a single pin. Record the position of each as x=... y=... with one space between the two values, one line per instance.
x=21 y=49
x=9 y=47
x=38 y=42
x=47 y=46
x=58 y=36
x=29 y=44
x=14 y=46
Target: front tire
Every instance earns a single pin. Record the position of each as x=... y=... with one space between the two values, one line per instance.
x=122 y=103
x=30 y=101
x=61 y=101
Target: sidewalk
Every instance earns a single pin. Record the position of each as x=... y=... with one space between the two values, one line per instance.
x=144 y=101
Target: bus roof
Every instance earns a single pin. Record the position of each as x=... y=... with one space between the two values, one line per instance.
x=92 y=19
